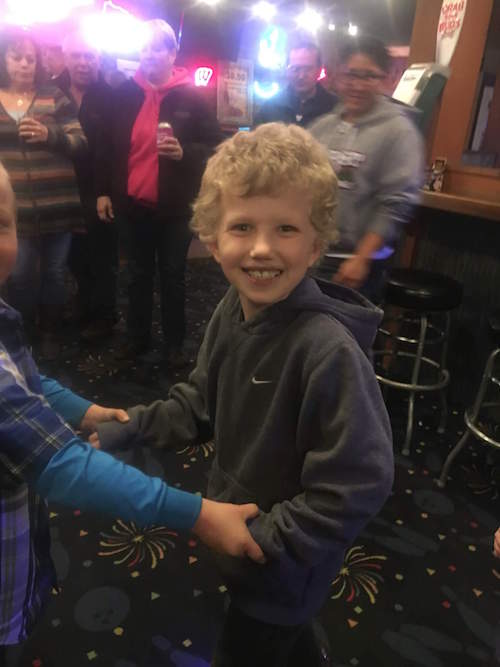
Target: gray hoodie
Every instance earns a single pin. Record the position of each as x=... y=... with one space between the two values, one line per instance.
x=300 y=427
x=379 y=164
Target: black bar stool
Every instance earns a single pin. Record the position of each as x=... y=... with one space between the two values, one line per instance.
x=473 y=425
x=422 y=295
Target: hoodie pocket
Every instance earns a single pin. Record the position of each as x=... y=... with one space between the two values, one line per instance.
x=225 y=489
x=281 y=582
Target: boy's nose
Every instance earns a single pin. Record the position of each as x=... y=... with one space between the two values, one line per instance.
x=261 y=247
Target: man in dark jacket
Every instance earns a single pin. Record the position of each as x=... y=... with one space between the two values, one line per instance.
x=150 y=184
x=304 y=99
x=94 y=253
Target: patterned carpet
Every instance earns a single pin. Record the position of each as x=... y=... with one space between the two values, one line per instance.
x=419 y=587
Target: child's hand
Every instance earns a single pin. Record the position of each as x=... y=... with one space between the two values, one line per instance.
x=94 y=440
x=496 y=545
x=222 y=526
x=96 y=414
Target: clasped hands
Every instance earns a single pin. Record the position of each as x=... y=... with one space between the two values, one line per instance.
x=221 y=526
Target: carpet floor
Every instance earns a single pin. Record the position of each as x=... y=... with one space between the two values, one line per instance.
x=419 y=587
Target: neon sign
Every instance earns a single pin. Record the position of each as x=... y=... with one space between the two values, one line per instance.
x=202 y=76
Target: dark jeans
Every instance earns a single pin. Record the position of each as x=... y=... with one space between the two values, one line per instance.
x=374 y=285
x=152 y=237
x=248 y=642
x=93 y=260
x=38 y=276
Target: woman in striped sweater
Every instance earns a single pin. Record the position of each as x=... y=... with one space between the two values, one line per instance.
x=39 y=136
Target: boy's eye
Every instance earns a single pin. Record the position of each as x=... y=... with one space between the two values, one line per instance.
x=288 y=228
x=240 y=227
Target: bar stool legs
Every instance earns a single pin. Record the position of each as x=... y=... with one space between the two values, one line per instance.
x=443 y=393
x=414 y=383
x=414 y=386
x=471 y=419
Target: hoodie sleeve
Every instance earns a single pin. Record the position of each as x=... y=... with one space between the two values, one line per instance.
x=399 y=180
x=347 y=474
x=180 y=420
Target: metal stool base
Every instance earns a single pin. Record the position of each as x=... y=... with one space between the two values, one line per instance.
x=471 y=419
x=414 y=386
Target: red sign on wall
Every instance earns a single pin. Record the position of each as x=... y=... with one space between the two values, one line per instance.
x=449 y=27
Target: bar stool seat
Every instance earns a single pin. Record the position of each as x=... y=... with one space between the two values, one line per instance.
x=420 y=294
x=473 y=425
x=414 y=289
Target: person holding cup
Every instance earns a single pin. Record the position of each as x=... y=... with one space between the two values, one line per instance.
x=152 y=156
x=39 y=136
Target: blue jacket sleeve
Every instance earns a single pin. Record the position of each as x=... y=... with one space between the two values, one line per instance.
x=82 y=477
x=71 y=407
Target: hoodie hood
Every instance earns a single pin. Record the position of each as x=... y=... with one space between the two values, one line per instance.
x=356 y=313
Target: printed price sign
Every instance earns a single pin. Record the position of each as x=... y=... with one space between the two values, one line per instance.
x=235 y=93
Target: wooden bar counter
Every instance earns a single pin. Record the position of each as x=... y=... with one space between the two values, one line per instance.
x=456 y=232
x=472 y=206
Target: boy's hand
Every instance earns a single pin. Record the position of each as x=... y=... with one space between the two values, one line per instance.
x=222 y=526
x=96 y=413
x=496 y=545
x=94 y=440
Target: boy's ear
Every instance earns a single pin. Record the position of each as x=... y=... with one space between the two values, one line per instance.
x=214 y=250
x=316 y=252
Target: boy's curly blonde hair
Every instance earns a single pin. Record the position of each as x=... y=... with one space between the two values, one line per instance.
x=267 y=161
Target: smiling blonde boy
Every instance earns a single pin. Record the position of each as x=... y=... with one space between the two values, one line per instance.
x=284 y=384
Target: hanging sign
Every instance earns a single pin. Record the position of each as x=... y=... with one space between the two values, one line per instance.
x=449 y=27
x=235 y=93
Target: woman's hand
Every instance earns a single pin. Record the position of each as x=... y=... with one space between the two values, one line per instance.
x=32 y=131
x=105 y=209
x=171 y=149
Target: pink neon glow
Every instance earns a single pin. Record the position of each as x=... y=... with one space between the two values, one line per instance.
x=109 y=6
x=115 y=30
x=322 y=74
x=29 y=12
x=202 y=76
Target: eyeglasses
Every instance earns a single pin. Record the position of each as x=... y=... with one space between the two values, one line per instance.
x=362 y=75
x=301 y=69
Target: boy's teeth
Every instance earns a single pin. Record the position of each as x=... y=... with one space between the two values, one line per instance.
x=263 y=274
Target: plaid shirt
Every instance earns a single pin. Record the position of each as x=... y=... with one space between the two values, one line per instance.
x=30 y=434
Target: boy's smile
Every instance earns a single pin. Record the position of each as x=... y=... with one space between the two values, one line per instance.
x=265 y=244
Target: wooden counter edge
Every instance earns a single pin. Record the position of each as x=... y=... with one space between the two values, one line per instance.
x=479 y=208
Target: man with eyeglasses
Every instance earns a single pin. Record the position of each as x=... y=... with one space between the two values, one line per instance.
x=377 y=154
x=304 y=99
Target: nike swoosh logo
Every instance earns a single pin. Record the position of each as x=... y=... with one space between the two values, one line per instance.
x=255 y=381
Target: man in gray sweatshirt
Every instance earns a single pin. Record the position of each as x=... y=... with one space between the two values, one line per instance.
x=376 y=152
